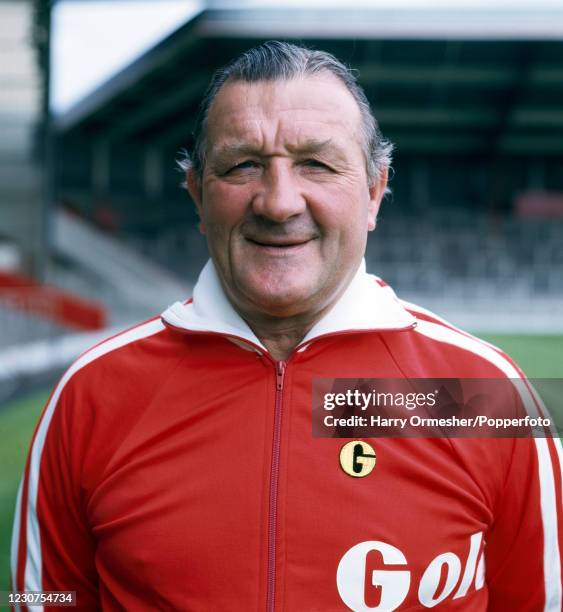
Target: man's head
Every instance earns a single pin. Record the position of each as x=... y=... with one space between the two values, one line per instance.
x=288 y=172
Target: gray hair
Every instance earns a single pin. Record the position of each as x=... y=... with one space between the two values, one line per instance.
x=275 y=60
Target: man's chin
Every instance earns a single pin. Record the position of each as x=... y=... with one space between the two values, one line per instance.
x=279 y=303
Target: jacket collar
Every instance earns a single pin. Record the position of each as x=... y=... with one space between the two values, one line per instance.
x=364 y=306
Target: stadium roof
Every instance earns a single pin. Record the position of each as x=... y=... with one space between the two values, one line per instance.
x=440 y=79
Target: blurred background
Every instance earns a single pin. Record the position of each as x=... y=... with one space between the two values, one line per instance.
x=98 y=97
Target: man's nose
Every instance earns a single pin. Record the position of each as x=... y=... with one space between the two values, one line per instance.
x=280 y=196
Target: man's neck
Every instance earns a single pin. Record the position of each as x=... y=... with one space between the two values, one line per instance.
x=282 y=334
x=280 y=345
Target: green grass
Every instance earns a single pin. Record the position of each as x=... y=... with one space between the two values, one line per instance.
x=17 y=421
x=539 y=357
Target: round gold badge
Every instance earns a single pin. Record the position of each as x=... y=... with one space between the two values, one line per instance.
x=357 y=458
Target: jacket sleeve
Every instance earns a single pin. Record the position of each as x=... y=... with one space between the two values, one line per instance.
x=52 y=547
x=523 y=550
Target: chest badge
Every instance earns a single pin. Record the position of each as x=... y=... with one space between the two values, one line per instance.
x=357 y=458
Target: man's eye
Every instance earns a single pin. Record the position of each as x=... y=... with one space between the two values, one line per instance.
x=316 y=164
x=245 y=165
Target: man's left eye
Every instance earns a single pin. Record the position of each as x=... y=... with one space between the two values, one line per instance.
x=315 y=163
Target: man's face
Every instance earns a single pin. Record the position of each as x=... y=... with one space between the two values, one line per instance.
x=284 y=199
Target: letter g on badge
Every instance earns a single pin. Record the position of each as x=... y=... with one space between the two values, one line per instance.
x=357 y=458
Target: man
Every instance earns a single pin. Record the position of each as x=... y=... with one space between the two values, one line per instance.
x=174 y=467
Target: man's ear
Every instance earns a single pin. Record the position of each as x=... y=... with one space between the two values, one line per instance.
x=194 y=189
x=376 y=193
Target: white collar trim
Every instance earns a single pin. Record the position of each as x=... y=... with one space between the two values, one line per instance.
x=364 y=306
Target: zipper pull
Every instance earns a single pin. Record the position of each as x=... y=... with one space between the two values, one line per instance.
x=280 y=373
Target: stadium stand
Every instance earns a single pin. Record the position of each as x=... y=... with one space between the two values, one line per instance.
x=131 y=285
x=471 y=101
x=19 y=327
x=20 y=112
x=474 y=115
x=467 y=252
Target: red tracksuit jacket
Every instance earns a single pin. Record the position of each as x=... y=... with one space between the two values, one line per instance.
x=174 y=468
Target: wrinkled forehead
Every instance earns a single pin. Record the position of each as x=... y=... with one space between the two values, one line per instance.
x=284 y=112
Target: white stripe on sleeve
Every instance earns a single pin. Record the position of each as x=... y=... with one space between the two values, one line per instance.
x=33 y=564
x=16 y=541
x=549 y=510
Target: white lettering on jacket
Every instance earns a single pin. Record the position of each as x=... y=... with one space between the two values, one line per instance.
x=395 y=581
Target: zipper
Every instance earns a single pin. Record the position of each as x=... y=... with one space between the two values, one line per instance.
x=280 y=367
x=274 y=478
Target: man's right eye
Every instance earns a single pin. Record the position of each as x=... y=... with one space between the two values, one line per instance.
x=245 y=165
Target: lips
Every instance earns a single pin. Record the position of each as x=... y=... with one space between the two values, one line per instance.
x=277 y=243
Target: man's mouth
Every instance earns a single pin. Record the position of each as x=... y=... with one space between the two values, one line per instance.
x=286 y=243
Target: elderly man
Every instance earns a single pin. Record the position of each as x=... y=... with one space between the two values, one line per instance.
x=175 y=468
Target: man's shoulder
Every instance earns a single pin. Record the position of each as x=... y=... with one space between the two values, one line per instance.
x=115 y=347
x=126 y=359
x=446 y=342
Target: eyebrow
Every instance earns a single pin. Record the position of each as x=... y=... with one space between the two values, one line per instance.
x=234 y=148
x=313 y=145
x=309 y=146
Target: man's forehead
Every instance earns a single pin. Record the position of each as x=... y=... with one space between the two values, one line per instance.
x=309 y=88
x=297 y=109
